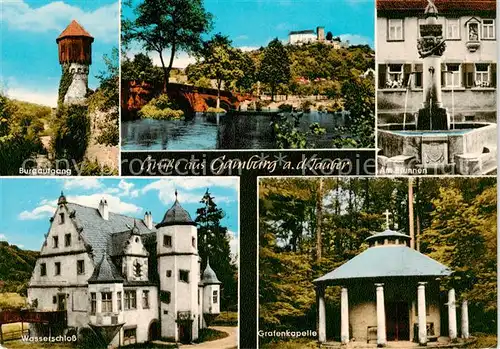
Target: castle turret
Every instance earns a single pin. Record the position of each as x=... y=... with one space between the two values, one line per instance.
x=75 y=57
x=178 y=271
x=211 y=294
x=320 y=31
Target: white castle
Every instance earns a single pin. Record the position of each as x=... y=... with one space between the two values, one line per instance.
x=129 y=280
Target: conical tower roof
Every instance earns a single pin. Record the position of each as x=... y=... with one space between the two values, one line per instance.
x=176 y=215
x=209 y=277
x=74 y=29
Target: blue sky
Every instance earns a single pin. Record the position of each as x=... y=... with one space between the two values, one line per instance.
x=27 y=204
x=253 y=23
x=29 y=65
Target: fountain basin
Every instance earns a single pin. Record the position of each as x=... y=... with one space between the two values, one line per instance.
x=467 y=148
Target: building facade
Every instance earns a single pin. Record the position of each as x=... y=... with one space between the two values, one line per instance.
x=129 y=280
x=468 y=69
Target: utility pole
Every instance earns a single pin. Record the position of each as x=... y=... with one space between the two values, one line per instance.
x=319 y=218
x=410 y=211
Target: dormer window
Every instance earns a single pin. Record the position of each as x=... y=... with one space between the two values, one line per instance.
x=55 y=241
x=167 y=241
x=61 y=218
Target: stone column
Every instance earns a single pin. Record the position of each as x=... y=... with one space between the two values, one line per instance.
x=465 y=319
x=452 y=315
x=422 y=314
x=320 y=292
x=431 y=71
x=344 y=316
x=381 y=334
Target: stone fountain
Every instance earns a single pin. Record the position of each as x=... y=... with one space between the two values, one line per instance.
x=434 y=143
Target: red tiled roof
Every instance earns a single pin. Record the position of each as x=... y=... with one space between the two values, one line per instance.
x=74 y=29
x=442 y=5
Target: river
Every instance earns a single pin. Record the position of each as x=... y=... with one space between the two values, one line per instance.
x=233 y=131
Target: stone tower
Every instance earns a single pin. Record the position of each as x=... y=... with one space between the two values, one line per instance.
x=75 y=56
x=179 y=274
x=320 y=31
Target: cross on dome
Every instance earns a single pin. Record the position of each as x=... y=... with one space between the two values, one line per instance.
x=387 y=214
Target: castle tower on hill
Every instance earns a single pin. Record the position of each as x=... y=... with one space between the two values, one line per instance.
x=75 y=56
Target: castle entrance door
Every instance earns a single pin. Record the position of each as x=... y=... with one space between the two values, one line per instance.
x=185 y=332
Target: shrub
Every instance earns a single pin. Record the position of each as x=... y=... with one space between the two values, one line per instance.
x=163 y=102
x=72 y=133
x=285 y=108
x=161 y=108
x=94 y=168
x=334 y=107
x=152 y=112
x=226 y=318
x=66 y=79
x=209 y=334
x=258 y=105
x=306 y=106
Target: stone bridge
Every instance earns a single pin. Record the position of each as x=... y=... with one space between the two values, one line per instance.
x=135 y=94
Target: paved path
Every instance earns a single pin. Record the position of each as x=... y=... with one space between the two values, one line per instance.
x=229 y=342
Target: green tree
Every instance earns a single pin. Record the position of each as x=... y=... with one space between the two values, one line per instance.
x=140 y=68
x=21 y=124
x=71 y=134
x=462 y=235
x=213 y=245
x=218 y=61
x=245 y=82
x=176 y=25
x=275 y=66
x=359 y=99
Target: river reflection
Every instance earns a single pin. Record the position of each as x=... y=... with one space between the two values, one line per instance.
x=233 y=131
